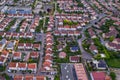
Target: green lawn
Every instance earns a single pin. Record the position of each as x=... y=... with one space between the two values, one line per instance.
x=2 y=68
x=115 y=63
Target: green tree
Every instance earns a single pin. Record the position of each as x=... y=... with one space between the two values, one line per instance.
x=15 y=1
x=113 y=75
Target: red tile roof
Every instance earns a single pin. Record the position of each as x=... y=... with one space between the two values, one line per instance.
x=16 y=54
x=18 y=77
x=80 y=71
x=36 y=45
x=29 y=77
x=12 y=64
x=46 y=64
x=5 y=53
x=75 y=58
x=22 y=65
x=21 y=44
x=48 y=57
x=98 y=75
x=32 y=65
x=34 y=54
x=40 y=78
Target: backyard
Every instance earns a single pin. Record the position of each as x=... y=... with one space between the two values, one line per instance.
x=115 y=63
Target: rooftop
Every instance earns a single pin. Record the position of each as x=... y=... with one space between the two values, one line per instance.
x=80 y=71
x=67 y=72
x=98 y=75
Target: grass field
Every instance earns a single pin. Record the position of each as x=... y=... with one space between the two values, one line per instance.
x=115 y=63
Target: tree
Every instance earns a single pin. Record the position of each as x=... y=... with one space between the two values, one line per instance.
x=113 y=75
x=80 y=5
x=15 y=1
x=98 y=57
x=111 y=38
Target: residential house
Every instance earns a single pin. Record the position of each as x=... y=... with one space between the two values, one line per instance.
x=60 y=47
x=62 y=55
x=23 y=26
x=36 y=46
x=34 y=55
x=48 y=58
x=17 y=55
x=116 y=41
x=48 y=52
x=22 y=66
x=61 y=40
x=69 y=39
x=18 y=77
x=3 y=57
x=100 y=64
x=40 y=78
x=113 y=46
x=99 y=76
x=32 y=67
x=22 y=35
x=34 y=24
x=49 y=47
x=15 y=35
x=12 y=66
x=92 y=33
x=49 y=42
x=28 y=46
x=29 y=77
x=10 y=45
x=21 y=46
x=29 y=35
x=2 y=34
x=8 y=35
x=5 y=53
x=80 y=71
x=47 y=65
x=2 y=60
x=2 y=44
x=56 y=33
x=74 y=59
x=93 y=49
x=74 y=48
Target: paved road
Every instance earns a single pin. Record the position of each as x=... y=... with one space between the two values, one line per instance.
x=86 y=55
x=42 y=52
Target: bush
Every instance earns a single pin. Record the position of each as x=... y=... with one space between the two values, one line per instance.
x=57 y=77
x=111 y=38
x=113 y=75
x=6 y=76
x=2 y=68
